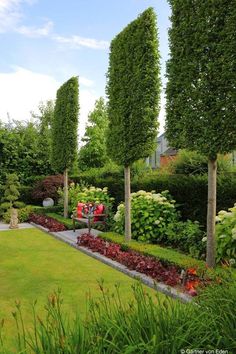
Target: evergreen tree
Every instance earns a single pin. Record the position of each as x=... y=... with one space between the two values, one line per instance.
x=11 y=189
x=201 y=90
x=133 y=90
x=64 y=131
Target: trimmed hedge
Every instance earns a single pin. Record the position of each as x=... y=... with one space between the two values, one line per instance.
x=166 y=255
x=190 y=192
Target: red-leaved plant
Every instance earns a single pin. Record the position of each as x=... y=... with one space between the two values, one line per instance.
x=47 y=222
x=150 y=266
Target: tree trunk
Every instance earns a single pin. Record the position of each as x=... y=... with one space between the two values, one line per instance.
x=211 y=213
x=66 y=193
x=127 y=205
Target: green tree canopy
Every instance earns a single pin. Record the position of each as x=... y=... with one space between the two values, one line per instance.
x=133 y=90
x=65 y=131
x=65 y=126
x=201 y=89
x=93 y=153
x=25 y=148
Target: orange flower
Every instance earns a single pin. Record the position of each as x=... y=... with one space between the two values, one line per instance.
x=192 y=271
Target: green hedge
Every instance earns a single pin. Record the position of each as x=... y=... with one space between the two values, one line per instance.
x=190 y=192
x=165 y=254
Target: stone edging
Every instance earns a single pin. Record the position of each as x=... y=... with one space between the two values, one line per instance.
x=161 y=287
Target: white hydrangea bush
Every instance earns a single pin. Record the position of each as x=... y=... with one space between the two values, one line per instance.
x=151 y=214
x=226 y=236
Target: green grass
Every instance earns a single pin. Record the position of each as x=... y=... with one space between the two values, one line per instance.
x=34 y=264
x=162 y=253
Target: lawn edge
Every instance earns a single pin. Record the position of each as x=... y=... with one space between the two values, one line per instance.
x=148 y=281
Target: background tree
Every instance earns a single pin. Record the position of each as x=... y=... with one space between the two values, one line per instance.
x=24 y=149
x=64 y=131
x=93 y=153
x=201 y=90
x=133 y=90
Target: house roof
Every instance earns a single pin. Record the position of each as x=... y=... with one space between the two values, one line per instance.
x=170 y=152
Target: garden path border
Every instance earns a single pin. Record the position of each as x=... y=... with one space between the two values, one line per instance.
x=65 y=237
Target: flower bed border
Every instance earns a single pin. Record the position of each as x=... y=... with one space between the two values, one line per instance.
x=148 y=281
x=169 y=275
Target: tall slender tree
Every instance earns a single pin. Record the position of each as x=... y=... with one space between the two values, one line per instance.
x=201 y=89
x=64 y=131
x=133 y=90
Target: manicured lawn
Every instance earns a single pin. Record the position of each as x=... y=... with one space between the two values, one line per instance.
x=33 y=265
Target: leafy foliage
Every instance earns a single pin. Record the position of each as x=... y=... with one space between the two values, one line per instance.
x=65 y=125
x=11 y=190
x=93 y=153
x=25 y=147
x=151 y=216
x=133 y=90
x=181 y=187
x=47 y=222
x=132 y=260
x=47 y=188
x=193 y=163
x=165 y=254
x=201 y=95
x=187 y=237
x=226 y=236
x=152 y=325
x=23 y=214
x=83 y=194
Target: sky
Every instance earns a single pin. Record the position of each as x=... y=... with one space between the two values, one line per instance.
x=45 y=42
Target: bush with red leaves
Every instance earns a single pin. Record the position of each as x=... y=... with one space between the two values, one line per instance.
x=48 y=188
x=47 y=222
x=150 y=266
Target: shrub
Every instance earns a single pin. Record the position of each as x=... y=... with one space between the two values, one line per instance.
x=193 y=163
x=4 y=207
x=226 y=236
x=11 y=195
x=187 y=237
x=26 y=194
x=11 y=189
x=48 y=188
x=23 y=214
x=190 y=192
x=151 y=215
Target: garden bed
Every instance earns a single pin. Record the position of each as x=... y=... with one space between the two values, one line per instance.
x=168 y=274
x=47 y=222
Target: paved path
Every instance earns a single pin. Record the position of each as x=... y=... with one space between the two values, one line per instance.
x=70 y=235
x=5 y=227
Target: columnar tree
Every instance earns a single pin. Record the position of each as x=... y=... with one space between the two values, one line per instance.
x=201 y=89
x=133 y=90
x=64 y=131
